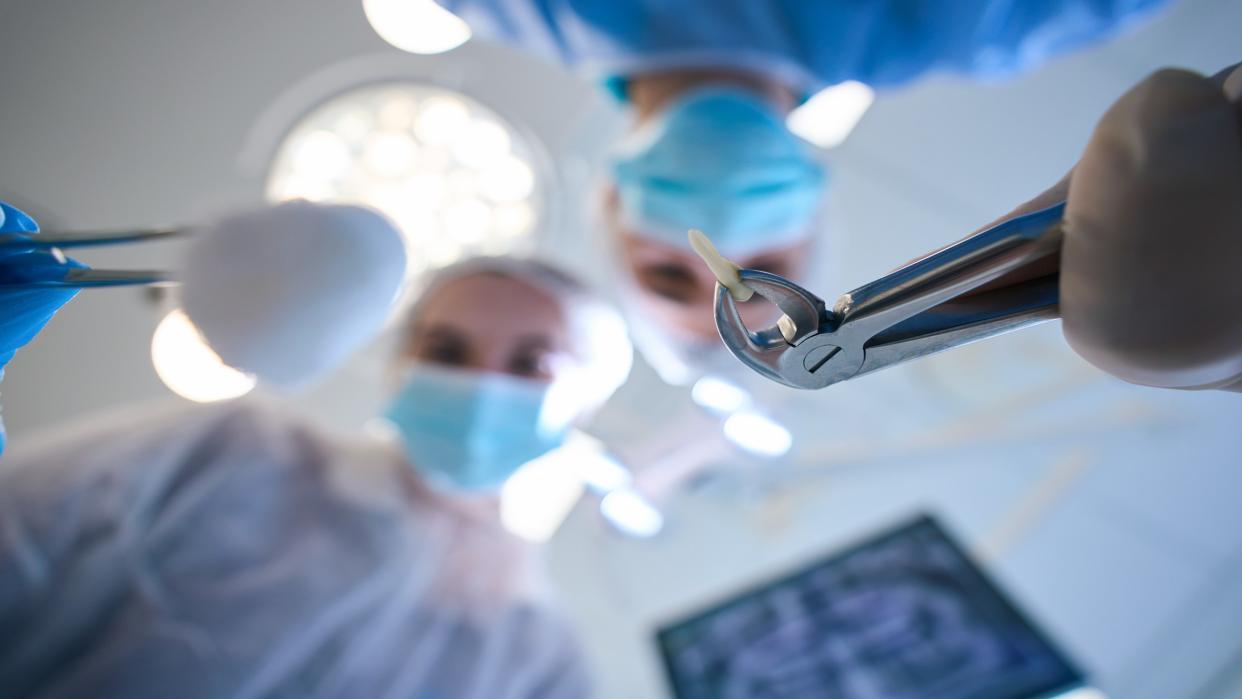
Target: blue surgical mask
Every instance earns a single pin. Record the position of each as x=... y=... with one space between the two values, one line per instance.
x=469 y=430
x=721 y=160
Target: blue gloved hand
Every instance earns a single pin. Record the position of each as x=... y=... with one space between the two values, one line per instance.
x=23 y=310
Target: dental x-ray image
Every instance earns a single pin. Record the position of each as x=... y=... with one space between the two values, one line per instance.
x=904 y=615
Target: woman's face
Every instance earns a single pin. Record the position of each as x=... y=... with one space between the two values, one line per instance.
x=491 y=323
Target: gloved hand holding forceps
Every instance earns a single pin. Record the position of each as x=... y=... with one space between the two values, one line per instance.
x=1138 y=249
x=25 y=309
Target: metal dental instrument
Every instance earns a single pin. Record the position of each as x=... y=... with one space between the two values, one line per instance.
x=76 y=278
x=929 y=305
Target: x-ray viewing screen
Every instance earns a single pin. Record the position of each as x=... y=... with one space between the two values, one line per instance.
x=905 y=615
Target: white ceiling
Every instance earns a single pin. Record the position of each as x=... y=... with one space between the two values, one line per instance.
x=1110 y=511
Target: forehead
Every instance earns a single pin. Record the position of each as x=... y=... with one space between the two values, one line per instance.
x=643 y=251
x=495 y=307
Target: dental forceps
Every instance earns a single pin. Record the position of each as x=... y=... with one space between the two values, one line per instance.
x=82 y=278
x=932 y=304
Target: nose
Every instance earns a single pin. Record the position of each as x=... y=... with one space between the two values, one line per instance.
x=698 y=320
x=491 y=362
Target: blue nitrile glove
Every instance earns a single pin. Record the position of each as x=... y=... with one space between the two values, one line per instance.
x=23 y=310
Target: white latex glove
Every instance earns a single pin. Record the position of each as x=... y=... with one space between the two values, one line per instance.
x=1151 y=266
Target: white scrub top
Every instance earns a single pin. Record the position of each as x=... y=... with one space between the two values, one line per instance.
x=807 y=44
x=232 y=552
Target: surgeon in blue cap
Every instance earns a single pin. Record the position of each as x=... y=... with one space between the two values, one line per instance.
x=710 y=83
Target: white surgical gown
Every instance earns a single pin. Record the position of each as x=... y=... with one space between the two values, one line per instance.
x=232 y=552
x=807 y=44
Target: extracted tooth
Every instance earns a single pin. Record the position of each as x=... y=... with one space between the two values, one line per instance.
x=789 y=330
x=726 y=272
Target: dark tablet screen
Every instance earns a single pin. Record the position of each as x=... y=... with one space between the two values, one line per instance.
x=905 y=615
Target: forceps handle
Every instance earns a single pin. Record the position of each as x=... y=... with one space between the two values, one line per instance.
x=96 y=278
x=955 y=324
x=43 y=241
x=953 y=271
x=88 y=278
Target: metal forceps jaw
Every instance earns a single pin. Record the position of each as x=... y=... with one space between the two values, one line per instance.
x=929 y=305
x=783 y=351
x=76 y=278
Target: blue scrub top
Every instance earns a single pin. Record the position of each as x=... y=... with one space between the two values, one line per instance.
x=807 y=44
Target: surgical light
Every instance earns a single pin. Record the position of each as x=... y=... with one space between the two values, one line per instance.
x=469 y=220
x=189 y=368
x=758 y=434
x=597 y=469
x=323 y=152
x=1082 y=693
x=480 y=143
x=513 y=220
x=631 y=513
x=604 y=474
x=831 y=114
x=719 y=396
x=390 y=153
x=535 y=510
x=417 y=26
x=456 y=178
x=441 y=120
x=536 y=499
x=509 y=180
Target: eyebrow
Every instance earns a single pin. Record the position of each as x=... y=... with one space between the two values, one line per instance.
x=443 y=333
x=528 y=343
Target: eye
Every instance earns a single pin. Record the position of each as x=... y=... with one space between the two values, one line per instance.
x=441 y=348
x=672 y=281
x=531 y=364
x=776 y=265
